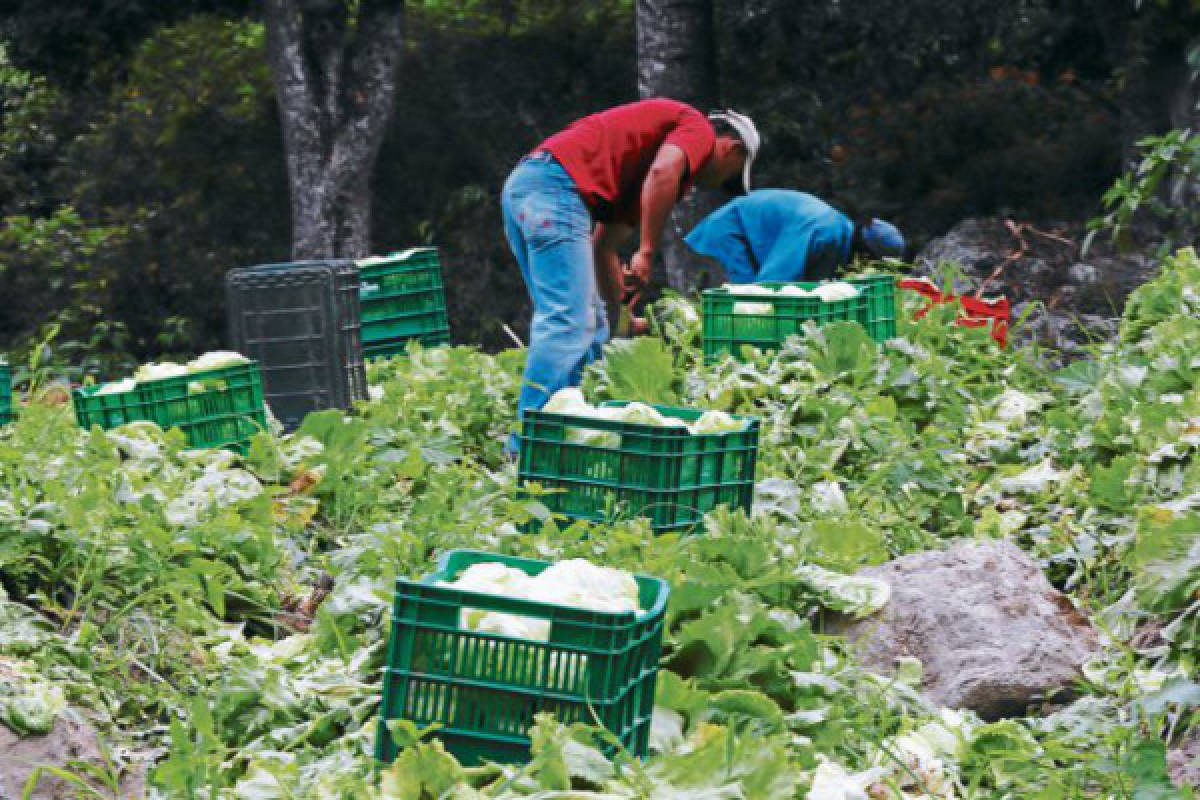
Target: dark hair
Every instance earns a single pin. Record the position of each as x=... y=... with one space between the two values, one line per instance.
x=857 y=243
x=860 y=219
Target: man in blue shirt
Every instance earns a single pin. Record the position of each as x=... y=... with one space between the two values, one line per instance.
x=782 y=235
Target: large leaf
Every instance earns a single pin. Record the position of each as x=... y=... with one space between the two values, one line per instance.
x=639 y=369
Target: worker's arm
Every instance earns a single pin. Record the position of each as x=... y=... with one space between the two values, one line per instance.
x=606 y=238
x=660 y=190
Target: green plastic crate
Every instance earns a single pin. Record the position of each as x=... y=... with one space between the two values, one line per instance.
x=402 y=297
x=387 y=306
x=404 y=326
x=412 y=270
x=484 y=689
x=727 y=332
x=220 y=407
x=662 y=473
x=879 y=314
x=393 y=347
x=6 y=405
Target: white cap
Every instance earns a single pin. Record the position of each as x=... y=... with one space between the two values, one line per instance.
x=746 y=132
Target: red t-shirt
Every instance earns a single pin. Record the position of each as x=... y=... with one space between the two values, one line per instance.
x=608 y=154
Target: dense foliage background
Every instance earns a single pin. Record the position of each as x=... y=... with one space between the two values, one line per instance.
x=141 y=155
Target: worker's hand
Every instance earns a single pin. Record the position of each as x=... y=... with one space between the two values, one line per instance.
x=641 y=267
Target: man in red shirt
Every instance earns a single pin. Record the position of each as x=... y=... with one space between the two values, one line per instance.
x=579 y=195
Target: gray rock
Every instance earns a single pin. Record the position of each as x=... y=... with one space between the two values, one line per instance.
x=1029 y=269
x=1068 y=334
x=1183 y=762
x=991 y=632
x=1083 y=274
x=966 y=244
x=71 y=739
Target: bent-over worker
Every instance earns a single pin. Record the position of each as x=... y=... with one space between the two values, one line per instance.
x=783 y=235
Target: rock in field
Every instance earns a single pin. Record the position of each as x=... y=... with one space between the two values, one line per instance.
x=71 y=739
x=990 y=631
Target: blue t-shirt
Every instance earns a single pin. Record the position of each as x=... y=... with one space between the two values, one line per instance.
x=774 y=235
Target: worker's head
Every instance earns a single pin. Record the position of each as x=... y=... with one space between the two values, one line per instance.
x=733 y=154
x=879 y=239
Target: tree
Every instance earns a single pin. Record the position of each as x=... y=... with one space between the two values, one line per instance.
x=677 y=59
x=1150 y=44
x=334 y=66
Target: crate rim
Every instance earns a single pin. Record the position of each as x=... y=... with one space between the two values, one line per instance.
x=90 y=390
x=673 y=431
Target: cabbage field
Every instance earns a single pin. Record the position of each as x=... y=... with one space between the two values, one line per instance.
x=222 y=620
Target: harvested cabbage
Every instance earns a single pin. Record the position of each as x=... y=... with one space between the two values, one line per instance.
x=641 y=414
x=579 y=583
x=827 y=498
x=609 y=440
x=716 y=422
x=158 y=372
x=832 y=292
x=495 y=578
x=1014 y=407
x=118 y=387
x=794 y=291
x=857 y=595
x=747 y=288
x=825 y=292
x=569 y=401
x=575 y=582
x=215 y=360
x=831 y=781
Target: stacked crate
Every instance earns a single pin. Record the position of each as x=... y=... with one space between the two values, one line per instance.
x=403 y=299
x=301 y=322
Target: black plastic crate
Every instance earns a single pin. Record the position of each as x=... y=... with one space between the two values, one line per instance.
x=300 y=321
x=350 y=345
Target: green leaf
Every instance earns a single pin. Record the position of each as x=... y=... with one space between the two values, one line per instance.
x=639 y=369
x=1147 y=765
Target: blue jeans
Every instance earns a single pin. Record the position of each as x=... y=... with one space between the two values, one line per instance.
x=549 y=230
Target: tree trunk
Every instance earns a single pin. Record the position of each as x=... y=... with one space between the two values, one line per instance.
x=1146 y=46
x=335 y=82
x=677 y=59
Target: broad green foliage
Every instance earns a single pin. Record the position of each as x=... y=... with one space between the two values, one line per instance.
x=161 y=591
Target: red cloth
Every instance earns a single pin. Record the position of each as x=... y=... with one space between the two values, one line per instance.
x=976 y=313
x=608 y=154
